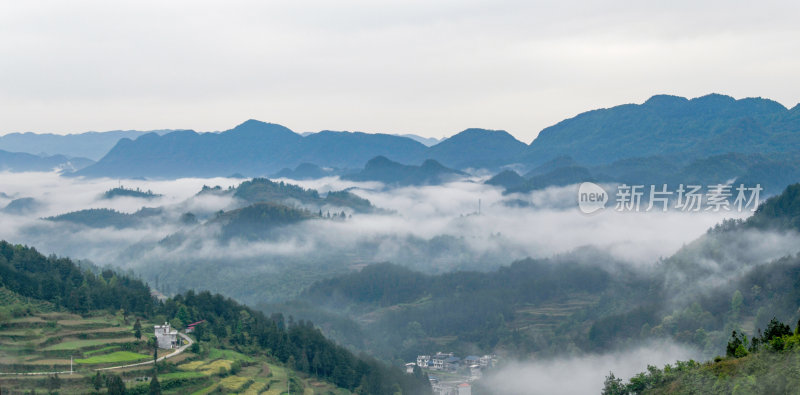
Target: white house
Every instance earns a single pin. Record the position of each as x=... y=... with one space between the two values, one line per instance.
x=166 y=337
x=422 y=360
x=440 y=360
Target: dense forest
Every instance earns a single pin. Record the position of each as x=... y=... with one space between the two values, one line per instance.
x=58 y=280
x=260 y=190
x=404 y=311
x=228 y=324
x=105 y=217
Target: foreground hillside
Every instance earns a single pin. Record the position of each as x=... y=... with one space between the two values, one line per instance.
x=55 y=310
x=767 y=363
x=73 y=354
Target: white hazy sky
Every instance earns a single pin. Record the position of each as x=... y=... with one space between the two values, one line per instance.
x=427 y=67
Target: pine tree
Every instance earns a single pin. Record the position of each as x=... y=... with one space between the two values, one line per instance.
x=137 y=329
x=115 y=385
x=155 y=386
x=97 y=381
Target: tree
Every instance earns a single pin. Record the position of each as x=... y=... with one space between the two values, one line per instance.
x=155 y=386
x=115 y=385
x=236 y=367
x=775 y=329
x=614 y=386
x=97 y=381
x=137 y=329
x=54 y=383
x=737 y=345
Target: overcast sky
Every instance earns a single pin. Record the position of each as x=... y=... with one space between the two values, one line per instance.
x=427 y=67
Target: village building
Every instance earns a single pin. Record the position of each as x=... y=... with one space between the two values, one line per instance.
x=166 y=337
x=423 y=361
x=440 y=360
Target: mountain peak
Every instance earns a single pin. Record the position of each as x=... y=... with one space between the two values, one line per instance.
x=379 y=161
x=473 y=132
x=714 y=100
x=476 y=147
x=255 y=126
x=665 y=100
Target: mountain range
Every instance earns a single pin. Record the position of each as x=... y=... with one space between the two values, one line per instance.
x=256 y=148
x=671 y=126
x=92 y=145
x=392 y=173
x=664 y=135
x=21 y=161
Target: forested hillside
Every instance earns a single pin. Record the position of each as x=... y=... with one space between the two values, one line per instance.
x=583 y=300
x=766 y=363
x=227 y=324
x=530 y=306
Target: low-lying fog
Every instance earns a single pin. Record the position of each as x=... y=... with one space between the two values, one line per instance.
x=461 y=225
x=582 y=375
x=500 y=234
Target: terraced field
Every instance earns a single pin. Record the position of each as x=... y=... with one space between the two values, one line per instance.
x=45 y=342
x=36 y=340
x=256 y=377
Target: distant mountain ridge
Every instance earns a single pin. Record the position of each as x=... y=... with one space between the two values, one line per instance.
x=392 y=173
x=21 y=161
x=256 y=148
x=92 y=145
x=671 y=126
x=670 y=129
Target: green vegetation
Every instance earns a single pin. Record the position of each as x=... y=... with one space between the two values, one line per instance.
x=259 y=220
x=60 y=282
x=114 y=357
x=768 y=363
x=104 y=217
x=78 y=344
x=231 y=341
x=529 y=306
x=260 y=190
x=137 y=193
x=584 y=300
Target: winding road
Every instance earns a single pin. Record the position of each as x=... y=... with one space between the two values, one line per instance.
x=180 y=349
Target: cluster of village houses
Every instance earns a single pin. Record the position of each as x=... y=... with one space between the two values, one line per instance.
x=167 y=338
x=448 y=362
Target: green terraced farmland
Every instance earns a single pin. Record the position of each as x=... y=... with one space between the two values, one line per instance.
x=79 y=344
x=114 y=357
